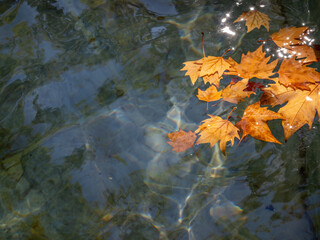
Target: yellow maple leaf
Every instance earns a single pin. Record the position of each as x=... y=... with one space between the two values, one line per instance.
x=254 y=19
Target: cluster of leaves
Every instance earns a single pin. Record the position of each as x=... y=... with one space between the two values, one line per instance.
x=295 y=88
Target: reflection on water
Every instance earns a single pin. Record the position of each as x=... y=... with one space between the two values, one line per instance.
x=89 y=91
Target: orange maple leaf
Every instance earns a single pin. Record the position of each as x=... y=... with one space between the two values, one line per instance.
x=235 y=92
x=209 y=68
x=254 y=122
x=254 y=19
x=214 y=65
x=301 y=106
x=288 y=36
x=217 y=129
x=193 y=69
x=209 y=95
x=254 y=64
x=306 y=53
x=212 y=79
x=294 y=74
x=181 y=140
x=270 y=95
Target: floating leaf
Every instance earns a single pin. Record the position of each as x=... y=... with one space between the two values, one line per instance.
x=217 y=129
x=209 y=95
x=254 y=122
x=294 y=74
x=254 y=64
x=306 y=53
x=209 y=68
x=289 y=36
x=301 y=106
x=254 y=19
x=235 y=93
x=193 y=69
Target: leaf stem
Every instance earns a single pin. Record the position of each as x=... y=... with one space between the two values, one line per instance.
x=204 y=54
x=230 y=113
x=265 y=40
x=226 y=52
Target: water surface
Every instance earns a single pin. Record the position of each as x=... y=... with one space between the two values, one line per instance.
x=89 y=91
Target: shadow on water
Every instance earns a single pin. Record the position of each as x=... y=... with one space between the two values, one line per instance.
x=89 y=90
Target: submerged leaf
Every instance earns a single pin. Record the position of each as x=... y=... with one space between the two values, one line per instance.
x=181 y=140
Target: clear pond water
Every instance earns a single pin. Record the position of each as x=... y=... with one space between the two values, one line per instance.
x=89 y=91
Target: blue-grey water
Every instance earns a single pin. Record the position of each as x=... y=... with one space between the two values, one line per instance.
x=89 y=91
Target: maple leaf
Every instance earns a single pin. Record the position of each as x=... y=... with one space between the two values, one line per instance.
x=216 y=129
x=181 y=140
x=254 y=122
x=294 y=74
x=276 y=94
x=209 y=68
x=304 y=52
x=254 y=19
x=253 y=86
x=212 y=79
x=301 y=106
x=288 y=36
x=209 y=95
x=214 y=65
x=316 y=49
x=193 y=69
x=254 y=64
x=234 y=93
